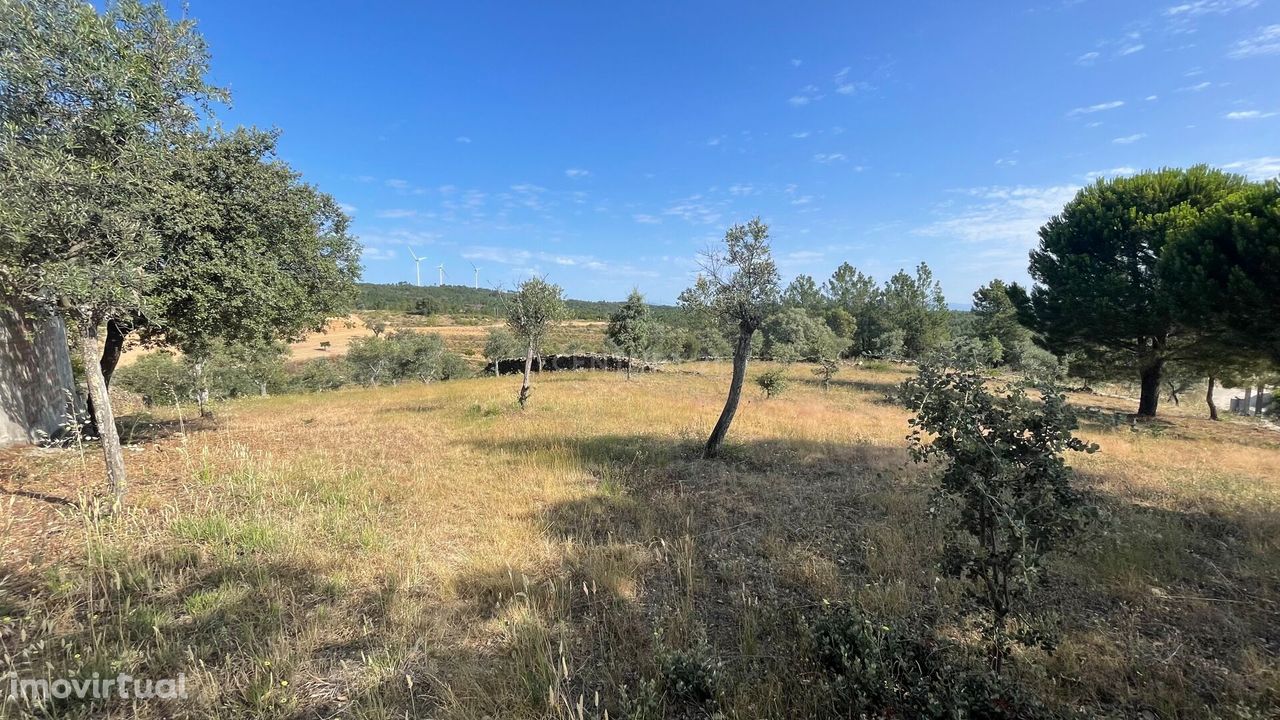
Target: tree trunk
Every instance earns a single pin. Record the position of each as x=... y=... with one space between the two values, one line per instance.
x=104 y=417
x=1248 y=400
x=496 y=362
x=741 y=353
x=628 y=367
x=202 y=389
x=262 y=389
x=1208 y=398
x=1150 y=398
x=528 y=368
x=112 y=349
x=1258 y=406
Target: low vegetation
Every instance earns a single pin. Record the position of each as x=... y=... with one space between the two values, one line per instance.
x=293 y=561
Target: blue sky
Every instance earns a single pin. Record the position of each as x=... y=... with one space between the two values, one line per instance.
x=604 y=145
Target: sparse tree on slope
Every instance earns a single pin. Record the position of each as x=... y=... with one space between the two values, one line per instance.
x=1099 y=289
x=739 y=286
x=91 y=106
x=995 y=317
x=532 y=310
x=630 y=327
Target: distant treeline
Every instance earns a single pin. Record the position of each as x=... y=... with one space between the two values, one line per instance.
x=483 y=302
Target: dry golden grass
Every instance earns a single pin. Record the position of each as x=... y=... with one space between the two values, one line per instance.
x=467 y=339
x=432 y=551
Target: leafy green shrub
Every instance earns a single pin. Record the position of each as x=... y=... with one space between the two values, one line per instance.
x=1005 y=489
x=872 y=670
x=773 y=382
x=320 y=374
x=1034 y=361
x=402 y=355
x=159 y=377
x=827 y=368
x=689 y=676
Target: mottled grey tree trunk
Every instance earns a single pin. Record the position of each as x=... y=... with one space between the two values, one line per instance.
x=528 y=369
x=1208 y=398
x=741 y=353
x=1258 y=407
x=104 y=417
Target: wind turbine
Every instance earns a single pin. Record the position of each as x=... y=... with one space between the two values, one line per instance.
x=441 y=274
x=417 y=265
x=473 y=267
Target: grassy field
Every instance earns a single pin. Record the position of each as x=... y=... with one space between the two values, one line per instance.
x=431 y=551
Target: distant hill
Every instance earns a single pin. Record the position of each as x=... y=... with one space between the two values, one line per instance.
x=463 y=300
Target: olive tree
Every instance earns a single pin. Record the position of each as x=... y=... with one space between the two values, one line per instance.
x=739 y=288
x=629 y=327
x=499 y=345
x=532 y=310
x=91 y=107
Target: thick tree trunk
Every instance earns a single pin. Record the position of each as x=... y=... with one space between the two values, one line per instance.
x=628 y=367
x=1248 y=400
x=1208 y=398
x=112 y=349
x=741 y=353
x=104 y=417
x=1150 y=398
x=1258 y=407
x=528 y=369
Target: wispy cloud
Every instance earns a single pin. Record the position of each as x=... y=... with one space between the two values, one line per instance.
x=796 y=62
x=577 y=173
x=1088 y=58
x=1113 y=172
x=846 y=86
x=371 y=252
x=829 y=158
x=1248 y=115
x=1129 y=139
x=801 y=135
x=1131 y=49
x=805 y=95
x=1260 y=168
x=1001 y=221
x=695 y=209
x=462 y=139
x=644 y=219
x=527 y=261
x=397 y=213
x=1112 y=105
x=1197 y=87
x=1266 y=41
x=1208 y=7
x=348 y=209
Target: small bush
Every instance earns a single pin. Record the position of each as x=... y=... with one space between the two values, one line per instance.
x=689 y=676
x=160 y=378
x=320 y=374
x=773 y=382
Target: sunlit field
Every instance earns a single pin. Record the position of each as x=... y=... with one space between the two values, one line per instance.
x=432 y=551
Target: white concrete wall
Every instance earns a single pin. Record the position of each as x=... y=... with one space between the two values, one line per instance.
x=36 y=382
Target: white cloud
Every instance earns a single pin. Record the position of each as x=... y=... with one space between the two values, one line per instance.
x=1088 y=58
x=1197 y=87
x=1112 y=105
x=647 y=219
x=1000 y=222
x=1261 y=168
x=742 y=190
x=845 y=86
x=800 y=135
x=712 y=142
x=805 y=95
x=525 y=261
x=796 y=62
x=695 y=209
x=395 y=213
x=829 y=158
x=1131 y=49
x=1006 y=161
x=397 y=184
x=369 y=252
x=1207 y=7
x=462 y=139
x=1113 y=172
x=1266 y=41
x=1129 y=139
x=577 y=172
x=802 y=200
x=1152 y=98
x=348 y=209
x=1248 y=115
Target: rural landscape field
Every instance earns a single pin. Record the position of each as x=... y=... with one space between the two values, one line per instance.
x=689 y=361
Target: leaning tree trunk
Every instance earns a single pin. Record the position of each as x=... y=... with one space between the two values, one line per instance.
x=1208 y=398
x=1150 y=398
x=104 y=417
x=1258 y=407
x=741 y=353
x=528 y=369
